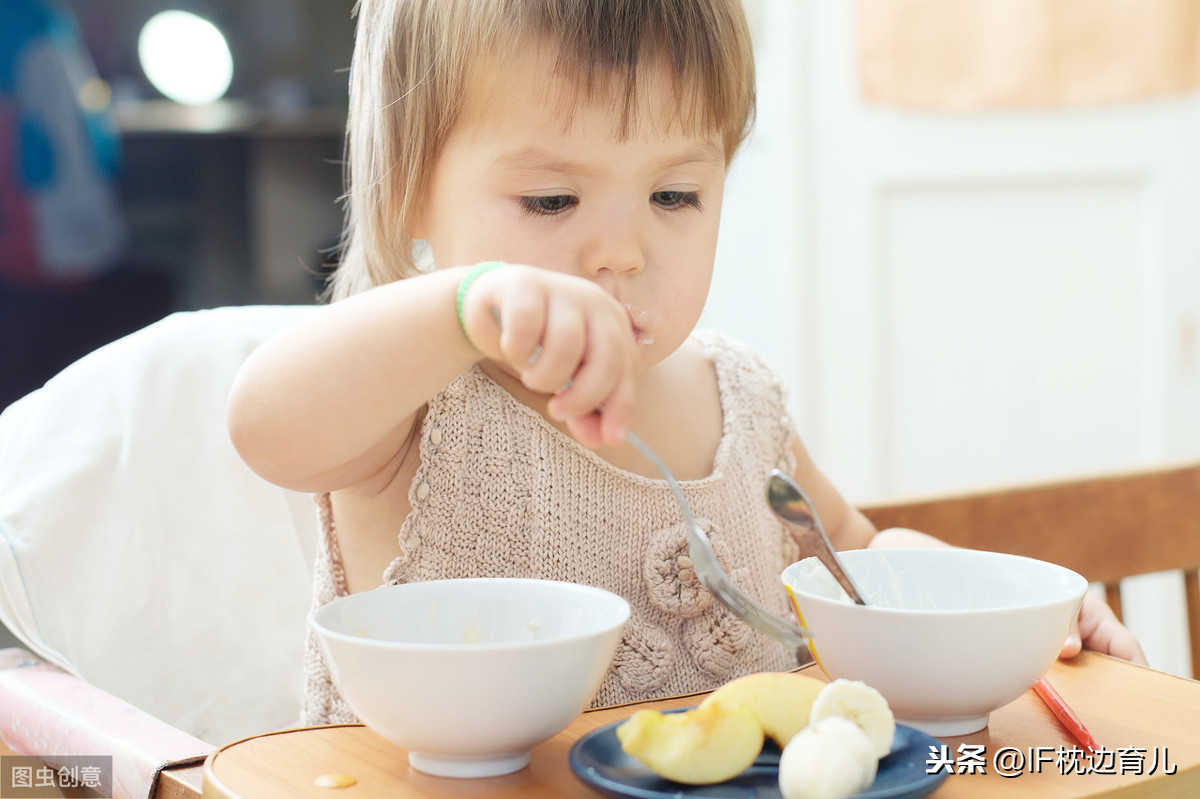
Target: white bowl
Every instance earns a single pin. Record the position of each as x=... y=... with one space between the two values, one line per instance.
x=947 y=635
x=469 y=675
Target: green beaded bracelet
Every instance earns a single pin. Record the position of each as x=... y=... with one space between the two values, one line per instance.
x=465 y=284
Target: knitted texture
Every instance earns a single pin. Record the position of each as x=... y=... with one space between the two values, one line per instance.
x=500 y=492
x=322 y=702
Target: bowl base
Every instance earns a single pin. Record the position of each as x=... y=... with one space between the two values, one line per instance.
x=442 y=766
x=947 y=728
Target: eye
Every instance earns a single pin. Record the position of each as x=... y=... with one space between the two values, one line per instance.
x=547 y=205
x=673 y=200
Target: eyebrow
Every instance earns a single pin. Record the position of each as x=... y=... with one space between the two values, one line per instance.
x=537 y=159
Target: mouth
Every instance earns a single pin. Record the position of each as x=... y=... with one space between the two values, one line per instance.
x=639 y=322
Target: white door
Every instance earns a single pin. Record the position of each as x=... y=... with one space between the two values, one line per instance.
x=965 y=300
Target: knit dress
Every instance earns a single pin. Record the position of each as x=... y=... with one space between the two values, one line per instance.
x=499 y=492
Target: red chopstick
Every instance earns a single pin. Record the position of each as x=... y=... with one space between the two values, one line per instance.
x=1066 y=716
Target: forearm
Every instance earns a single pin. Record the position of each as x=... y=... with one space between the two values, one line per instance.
x=328 y=402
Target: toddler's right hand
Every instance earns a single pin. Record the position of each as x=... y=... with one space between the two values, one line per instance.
x=561 y=335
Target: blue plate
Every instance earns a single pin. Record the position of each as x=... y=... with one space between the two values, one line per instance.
x=598 y=760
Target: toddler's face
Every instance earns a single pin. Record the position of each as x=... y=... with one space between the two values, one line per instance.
x=523 y=180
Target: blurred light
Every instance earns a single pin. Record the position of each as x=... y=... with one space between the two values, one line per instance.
x=95 y=95
x=185 y=57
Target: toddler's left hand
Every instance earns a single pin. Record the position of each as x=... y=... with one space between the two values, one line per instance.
x=1096 y=627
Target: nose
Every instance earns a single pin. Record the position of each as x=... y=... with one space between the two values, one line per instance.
x=616 y=244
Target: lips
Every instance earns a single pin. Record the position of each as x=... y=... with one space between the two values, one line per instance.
x=638 y=323
x=637 y=331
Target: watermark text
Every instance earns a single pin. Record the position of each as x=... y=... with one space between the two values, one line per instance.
x=1011 y=761
x=33 y=778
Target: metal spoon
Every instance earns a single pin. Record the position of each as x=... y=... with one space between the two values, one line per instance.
x=789 y=502
x=708 y=570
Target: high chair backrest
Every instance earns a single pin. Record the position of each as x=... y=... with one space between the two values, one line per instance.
x=1106 y=528
x=137 y=551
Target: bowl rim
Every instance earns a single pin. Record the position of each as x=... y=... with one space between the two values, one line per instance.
x=623 y=608
x=1075 y=596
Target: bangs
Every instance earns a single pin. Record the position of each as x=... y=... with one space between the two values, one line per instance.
x=603 y=45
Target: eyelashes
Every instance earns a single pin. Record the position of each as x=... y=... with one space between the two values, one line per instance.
x=555 y=204
x=672 y=200
x=548 y=204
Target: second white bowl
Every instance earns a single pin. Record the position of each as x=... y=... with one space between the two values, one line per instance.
x=947 y=635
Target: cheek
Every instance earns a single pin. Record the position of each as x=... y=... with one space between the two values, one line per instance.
x=693 y=295
x=488 y=229
x=686 y=283
x=678 y=302
x=464 y=221
x=458 y=242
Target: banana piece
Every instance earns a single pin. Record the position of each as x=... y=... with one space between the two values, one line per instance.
x=701 y=746
x=830 y=759
x=782 y=701
x=861 y=704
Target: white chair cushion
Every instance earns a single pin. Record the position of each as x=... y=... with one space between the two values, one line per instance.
x=137 y=551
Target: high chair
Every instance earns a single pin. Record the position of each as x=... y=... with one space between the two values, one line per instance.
x=1106 y=528
x=139 y=555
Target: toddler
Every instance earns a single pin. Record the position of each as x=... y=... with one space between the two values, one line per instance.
x=461 y=410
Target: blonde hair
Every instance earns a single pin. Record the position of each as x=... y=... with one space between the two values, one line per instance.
x=410 y=71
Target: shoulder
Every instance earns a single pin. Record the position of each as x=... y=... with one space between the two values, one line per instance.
x=753 y=396
x=720 y=345
x=736 y=362
x=736 y=375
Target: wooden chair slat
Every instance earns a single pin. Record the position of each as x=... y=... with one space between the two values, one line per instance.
x=1104 y=528
x=1112 y=595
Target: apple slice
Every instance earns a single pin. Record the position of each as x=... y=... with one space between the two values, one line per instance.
x=710 y=743
x=782 y=701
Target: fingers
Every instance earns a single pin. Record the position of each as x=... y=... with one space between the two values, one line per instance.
x=616 y=411
x=587 y=363
x=603 y=377
x=587 y=430
x=607 y=424
x=597 y=400
x=1101 y=630
x=1126 y=647
x=1097 y=628
x=565 y=337
x=564 y=341
x=1074 y=643
x=522 y=320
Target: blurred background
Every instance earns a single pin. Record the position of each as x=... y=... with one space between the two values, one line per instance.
x=238 y=200
x=189 y=204
x=965 y=231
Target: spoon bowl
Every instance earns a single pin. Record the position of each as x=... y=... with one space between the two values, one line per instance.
x=789 y=502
